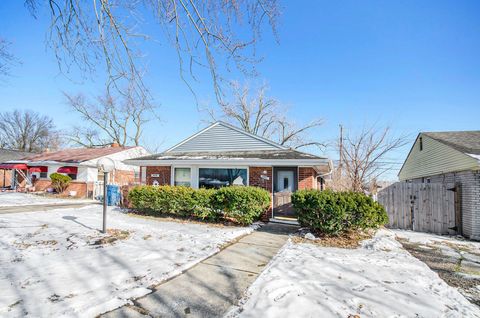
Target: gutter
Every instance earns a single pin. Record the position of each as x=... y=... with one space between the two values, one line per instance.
x=233 y=162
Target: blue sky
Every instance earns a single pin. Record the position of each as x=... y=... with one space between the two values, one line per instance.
x=412 y=65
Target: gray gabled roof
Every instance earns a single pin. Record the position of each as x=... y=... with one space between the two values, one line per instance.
x=467 y=142
x=221 y=136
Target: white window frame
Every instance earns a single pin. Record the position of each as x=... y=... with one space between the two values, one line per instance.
x=194 y=172
x=172 y=179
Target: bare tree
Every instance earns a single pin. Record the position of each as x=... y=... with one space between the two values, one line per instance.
x=119 y=119
x=6 y=58
x=264 y=116
x=205 y=33
x=27 y=131
x=364 y=157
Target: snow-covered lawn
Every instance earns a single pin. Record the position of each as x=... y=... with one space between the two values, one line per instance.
x=22 y=199
x=380 y=279
x=51 y=264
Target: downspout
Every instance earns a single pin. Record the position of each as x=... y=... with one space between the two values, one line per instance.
x=330 y=165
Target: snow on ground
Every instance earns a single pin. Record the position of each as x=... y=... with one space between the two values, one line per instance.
x=380 y=279
x=22 y=199
x=428 y=238
x=51 y=267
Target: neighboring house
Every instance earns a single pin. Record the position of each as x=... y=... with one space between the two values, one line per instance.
x=224 y=155
x=8 y=155
x=80 y=164
x=451 y=158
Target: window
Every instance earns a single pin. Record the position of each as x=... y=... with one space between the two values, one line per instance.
x=182 y=177
x=221 y=177
x=73 y=176
x=420 y=143
x=43 y=175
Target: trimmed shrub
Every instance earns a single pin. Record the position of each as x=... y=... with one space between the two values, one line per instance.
x=163 y=200
x=332 y=213
x=203 y=205
x=60 y=182
x=242 y=205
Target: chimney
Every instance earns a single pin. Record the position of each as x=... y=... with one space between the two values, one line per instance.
x=115 y=145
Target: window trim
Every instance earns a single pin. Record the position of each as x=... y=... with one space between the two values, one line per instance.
x=173 y=175
x=194 y=172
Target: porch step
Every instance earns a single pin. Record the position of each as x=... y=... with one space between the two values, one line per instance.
x=284 y=220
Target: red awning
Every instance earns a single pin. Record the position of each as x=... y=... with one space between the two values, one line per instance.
x=20 y=166
x=68 y=170
x=38 y=169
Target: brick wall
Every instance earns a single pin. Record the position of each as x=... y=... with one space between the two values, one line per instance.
x=306 y=178
x=469 y=182
x=164 y=173
x=124 y=177
x=255 y=180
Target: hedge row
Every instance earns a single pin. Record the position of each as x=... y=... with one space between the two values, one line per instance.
x=333 y=213
x=241 y=205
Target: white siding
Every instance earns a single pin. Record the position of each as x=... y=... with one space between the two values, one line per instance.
x=220 y=137
x=435 y=158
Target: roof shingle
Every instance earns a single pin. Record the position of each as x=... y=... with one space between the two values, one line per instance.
x=467 y=142
x=76 y=155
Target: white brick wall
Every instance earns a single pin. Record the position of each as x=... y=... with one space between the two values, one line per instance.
x=469 y=182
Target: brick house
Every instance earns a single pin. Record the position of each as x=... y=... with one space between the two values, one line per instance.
x=9 y=155
x=224 y=155
x=78 y=163
x=453 y=159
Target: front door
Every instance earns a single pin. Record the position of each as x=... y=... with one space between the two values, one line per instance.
x=285 y=182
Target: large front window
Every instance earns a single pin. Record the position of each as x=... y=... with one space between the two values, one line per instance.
x=221 y=177
x=182 y=177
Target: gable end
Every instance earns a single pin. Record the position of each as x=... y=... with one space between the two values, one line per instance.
x=221 y=136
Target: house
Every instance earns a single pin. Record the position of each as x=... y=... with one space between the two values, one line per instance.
x=224 y=155
x=451 y=158
x=78 y=163
x=8 y=155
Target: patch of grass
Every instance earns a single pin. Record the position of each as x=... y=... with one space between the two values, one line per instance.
x=112 y=236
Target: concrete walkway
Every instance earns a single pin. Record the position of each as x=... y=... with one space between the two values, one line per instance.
x=43 y=207
x=211 y=287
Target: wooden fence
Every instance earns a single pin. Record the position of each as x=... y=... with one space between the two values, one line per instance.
x=421 y=207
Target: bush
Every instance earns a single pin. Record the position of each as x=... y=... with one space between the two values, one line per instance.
x=163 y=200
x=242 y=205
x=60 y=182
x=333 y=213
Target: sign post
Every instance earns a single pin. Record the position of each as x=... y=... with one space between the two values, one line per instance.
x=105 y=165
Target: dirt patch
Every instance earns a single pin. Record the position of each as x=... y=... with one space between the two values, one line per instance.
x=112 y=236
x=349 y=240
x=24 y=245
x=453 y=263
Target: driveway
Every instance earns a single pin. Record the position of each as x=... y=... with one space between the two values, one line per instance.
x=13 y=202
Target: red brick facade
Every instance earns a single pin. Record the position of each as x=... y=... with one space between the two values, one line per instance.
x=256 y=180
x=306 y=178
x=124 y=177
x=162 y=174
x=83 y=189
